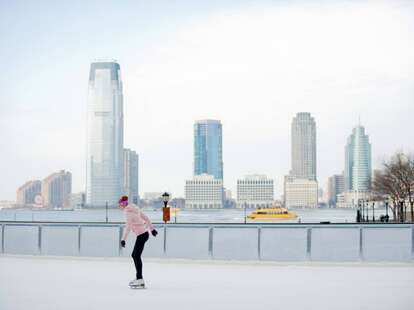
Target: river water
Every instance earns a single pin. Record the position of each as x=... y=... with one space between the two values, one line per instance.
x=183 y=216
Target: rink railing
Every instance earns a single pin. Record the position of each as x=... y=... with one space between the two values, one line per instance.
x=270 y=242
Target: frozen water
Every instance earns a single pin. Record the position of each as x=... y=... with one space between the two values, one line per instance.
x=28 y=282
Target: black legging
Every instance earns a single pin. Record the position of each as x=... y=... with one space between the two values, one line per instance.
x=136 y=253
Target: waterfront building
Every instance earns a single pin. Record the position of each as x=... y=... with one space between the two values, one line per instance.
x=300 y=193
x=26 y=193
x=105 y=125
x=130 y=183
x=336 y=186
x=301 y=186
x=56 y=189
x=351 y=199
x=228 y=194
x=77 y=200
x=303 y=144
x=358 y=169
x=177 y=202
x=208 y=157
x=204 y=192
x=255 y=191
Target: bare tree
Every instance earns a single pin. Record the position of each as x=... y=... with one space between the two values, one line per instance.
x=396 y=180
x=401 y=166
x=409 y=183
x=386 y=185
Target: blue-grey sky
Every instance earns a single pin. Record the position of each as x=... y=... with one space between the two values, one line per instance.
x=251 y=64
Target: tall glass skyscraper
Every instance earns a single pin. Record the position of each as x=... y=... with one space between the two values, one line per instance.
x=208 y=154
x=303 y=146
x=104 y=171
x=358 y=161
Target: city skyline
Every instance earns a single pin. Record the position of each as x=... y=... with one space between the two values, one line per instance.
x=191 y=70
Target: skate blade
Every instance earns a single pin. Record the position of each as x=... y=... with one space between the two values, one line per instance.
x=137 y=287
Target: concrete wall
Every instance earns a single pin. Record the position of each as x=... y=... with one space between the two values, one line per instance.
x=273 y=242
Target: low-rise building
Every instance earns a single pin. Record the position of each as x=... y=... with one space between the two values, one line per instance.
x=255 y=191
x=351 y=199
x=76 y=200
x=300 y=193
x=204 y=192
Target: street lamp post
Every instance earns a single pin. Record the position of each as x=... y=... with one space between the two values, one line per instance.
x=367 y=210
x=106 y=211
x=361 y=206
x=373 y=211
x=165 y=210
x=386 y=210
x=358 y=219
x=363 y=210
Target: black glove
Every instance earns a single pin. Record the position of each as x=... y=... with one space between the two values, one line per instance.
x=123 y=243
x=154 y=232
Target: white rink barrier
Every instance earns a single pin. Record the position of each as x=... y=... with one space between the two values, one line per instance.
x=270 y=242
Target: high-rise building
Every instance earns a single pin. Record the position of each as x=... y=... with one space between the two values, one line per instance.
x=208 y=158
x=27 y=192
x=56 y=189
x=357 y=174
x=336 y=187
x=130 y=183
x=104 y=160
x=300 y=193
x=303 y=139
x=204 y=192
x=301 y=186
x=255 y=191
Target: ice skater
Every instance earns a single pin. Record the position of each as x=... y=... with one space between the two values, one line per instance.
x=139 y=223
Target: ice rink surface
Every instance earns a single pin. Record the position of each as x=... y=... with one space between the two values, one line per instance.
x=29 y=282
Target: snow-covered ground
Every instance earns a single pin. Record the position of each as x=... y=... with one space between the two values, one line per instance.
x=28 y=282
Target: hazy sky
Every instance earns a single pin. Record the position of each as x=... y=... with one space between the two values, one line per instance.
x=251 y=64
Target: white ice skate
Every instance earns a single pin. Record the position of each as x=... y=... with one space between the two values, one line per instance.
x=137 y=283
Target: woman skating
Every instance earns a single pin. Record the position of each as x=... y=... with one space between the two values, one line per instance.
x=139 y=223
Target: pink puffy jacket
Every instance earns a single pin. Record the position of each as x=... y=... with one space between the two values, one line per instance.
x=136 y=221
